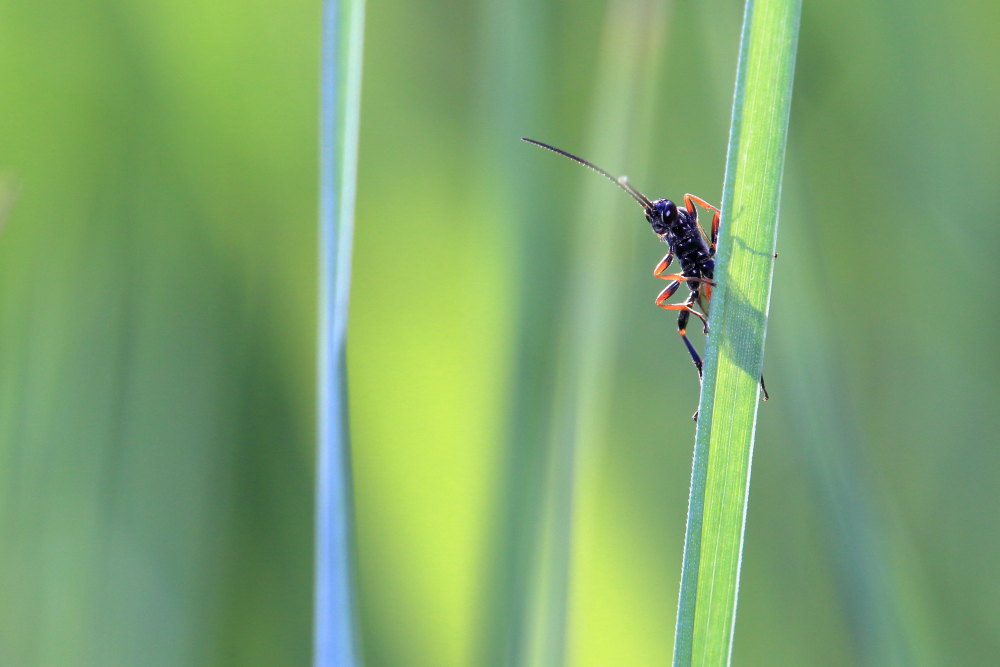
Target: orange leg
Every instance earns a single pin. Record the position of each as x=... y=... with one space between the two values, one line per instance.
x=668 y=292
x=658 y=272
x=682 y=278
x=689 y=202
x=664 y=263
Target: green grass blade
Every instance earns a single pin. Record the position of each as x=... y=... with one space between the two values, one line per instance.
x=734 y=354
x=584 y=358
x=334 y=625
x=514 y=76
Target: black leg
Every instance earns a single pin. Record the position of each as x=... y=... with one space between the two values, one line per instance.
x=682 y=321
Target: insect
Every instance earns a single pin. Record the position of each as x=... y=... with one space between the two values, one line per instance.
x=687 y=242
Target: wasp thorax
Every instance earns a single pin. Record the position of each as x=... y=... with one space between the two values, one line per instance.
x=661 y=215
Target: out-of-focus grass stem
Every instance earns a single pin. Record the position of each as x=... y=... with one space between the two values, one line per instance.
x=584 y=355
x=334 y=625
x=720 y=477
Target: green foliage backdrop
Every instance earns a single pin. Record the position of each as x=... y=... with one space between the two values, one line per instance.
x=520 y=409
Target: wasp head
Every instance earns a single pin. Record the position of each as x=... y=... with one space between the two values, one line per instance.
x=661 y=215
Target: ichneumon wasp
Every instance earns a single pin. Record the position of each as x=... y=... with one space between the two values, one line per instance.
x=687 y=242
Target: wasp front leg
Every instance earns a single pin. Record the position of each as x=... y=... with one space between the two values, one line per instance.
x=664 y=264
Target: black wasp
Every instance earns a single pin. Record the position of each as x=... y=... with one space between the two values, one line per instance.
x=688 y=243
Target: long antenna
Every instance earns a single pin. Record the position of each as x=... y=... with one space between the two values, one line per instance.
x=620 y=182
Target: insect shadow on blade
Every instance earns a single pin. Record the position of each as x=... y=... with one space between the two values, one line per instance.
x=687 y=243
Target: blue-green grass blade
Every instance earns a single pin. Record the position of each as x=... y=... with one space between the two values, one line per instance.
x=335 y=627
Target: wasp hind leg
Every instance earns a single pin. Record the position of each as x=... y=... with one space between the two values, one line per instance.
x=682 y=321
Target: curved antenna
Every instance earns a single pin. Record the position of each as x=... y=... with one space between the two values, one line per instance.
x=620 y=182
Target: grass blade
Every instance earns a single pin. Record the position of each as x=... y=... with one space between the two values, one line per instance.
x=335 y=629
x=585 y=363
x=734 y=353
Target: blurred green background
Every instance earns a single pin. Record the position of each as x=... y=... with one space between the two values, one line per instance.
x=514 y=392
